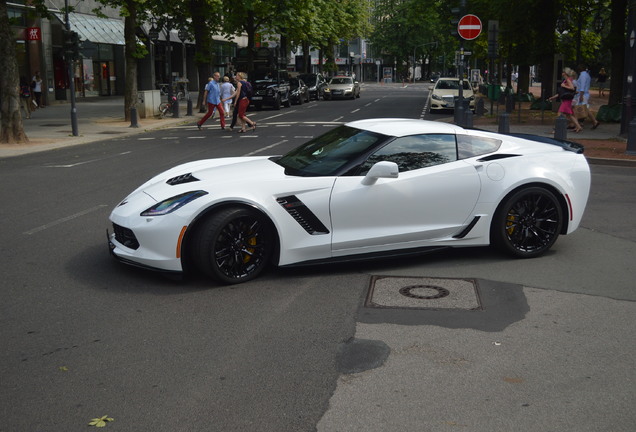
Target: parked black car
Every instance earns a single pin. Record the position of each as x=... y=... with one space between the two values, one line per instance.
x=271 y=88
x=299 y=91
x=316 y=84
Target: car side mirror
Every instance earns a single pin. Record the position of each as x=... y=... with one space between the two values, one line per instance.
x=383 y=169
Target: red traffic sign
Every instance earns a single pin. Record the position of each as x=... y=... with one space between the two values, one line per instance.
x=469 y=27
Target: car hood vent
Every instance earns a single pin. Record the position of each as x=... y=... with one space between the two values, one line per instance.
x=184 y=178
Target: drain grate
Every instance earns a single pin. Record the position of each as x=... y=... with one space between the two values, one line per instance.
x=423 y=293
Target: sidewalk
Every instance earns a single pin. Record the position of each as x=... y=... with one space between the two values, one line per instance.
x=103 y=118
x=97 y=119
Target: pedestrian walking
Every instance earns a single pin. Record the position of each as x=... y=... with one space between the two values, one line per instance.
x=601 y=80
x=36 y=85
x=25 y=97
x=241 y=99
x=212 y=96
x=227 y=90
x=566 y=92
x=582 y=98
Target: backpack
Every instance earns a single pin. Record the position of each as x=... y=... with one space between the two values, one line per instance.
x=25 y=92
x=248 y=89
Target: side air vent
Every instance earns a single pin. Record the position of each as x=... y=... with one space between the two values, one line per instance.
x=184 y=178
x=301 y=214
x=468 y=228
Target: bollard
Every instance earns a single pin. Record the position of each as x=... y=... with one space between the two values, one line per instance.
x=133 y=117
x=631 y=137
x=175 y=109
x=504 y=123
x=480 y=109
x=510 y=103
x=189 y=112
x=468 y=118
x=561 y=128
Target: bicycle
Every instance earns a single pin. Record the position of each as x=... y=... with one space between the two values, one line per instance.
x=167 y=107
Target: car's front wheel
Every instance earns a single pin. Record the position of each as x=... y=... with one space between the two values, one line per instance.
x=234 y=245
x=527 y=223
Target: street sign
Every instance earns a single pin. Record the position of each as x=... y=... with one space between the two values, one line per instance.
x=469 y=27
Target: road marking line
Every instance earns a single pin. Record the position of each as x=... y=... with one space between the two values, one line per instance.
x=264 y=148
x=65 y=219
x=85 y=162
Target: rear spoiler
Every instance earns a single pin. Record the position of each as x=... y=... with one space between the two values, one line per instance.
x=564 y=144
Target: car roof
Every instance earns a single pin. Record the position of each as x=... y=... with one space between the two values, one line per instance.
x=405 y=127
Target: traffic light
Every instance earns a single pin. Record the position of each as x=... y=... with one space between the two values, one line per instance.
x=456 y=13
x=72 y=44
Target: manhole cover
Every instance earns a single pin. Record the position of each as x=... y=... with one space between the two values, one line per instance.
x=423 y=293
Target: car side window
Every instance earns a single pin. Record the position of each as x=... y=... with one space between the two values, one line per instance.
x=415 y=152
x=470 y=146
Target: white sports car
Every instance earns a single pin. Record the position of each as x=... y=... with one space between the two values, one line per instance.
x=364 y=189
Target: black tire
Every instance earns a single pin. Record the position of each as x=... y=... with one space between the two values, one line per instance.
x=234 y=245
x=527 y=223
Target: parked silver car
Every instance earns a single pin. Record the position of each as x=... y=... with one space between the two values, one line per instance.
x=342 y=87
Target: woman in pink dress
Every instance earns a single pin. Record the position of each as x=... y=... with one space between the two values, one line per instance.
x=567 y=93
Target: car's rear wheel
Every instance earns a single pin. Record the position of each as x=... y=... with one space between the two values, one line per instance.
x=234 y=245
x=527 y=223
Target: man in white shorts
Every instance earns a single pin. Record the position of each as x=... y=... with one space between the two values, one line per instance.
x=582 y=97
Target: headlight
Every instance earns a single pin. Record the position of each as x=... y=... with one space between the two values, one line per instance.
x=436 y=97
x=171 y=204
x=327 y=89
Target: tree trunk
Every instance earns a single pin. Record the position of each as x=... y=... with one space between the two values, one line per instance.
x=616 y=43
x=11 y=128
x=130 y=37
x=205 y=57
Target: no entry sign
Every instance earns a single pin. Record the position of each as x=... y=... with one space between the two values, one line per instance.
x=469 y=27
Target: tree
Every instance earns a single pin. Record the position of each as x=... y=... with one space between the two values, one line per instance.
x=133 y=11
x=401 y=27
x=11 y=123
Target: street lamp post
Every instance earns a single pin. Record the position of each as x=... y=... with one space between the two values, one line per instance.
x=154 y=36
x=71 y=73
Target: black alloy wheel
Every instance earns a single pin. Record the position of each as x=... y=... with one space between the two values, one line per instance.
x=234 y=245
x=527 y=223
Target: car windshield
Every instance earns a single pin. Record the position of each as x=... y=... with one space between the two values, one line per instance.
x=310 y=80
x=450 y=85
x=264 y=76
x=330 y=154
x=341 y=81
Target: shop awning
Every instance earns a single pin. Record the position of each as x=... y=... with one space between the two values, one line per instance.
x=96 y=29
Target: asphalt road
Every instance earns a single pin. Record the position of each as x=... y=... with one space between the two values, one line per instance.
x=84 y=336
